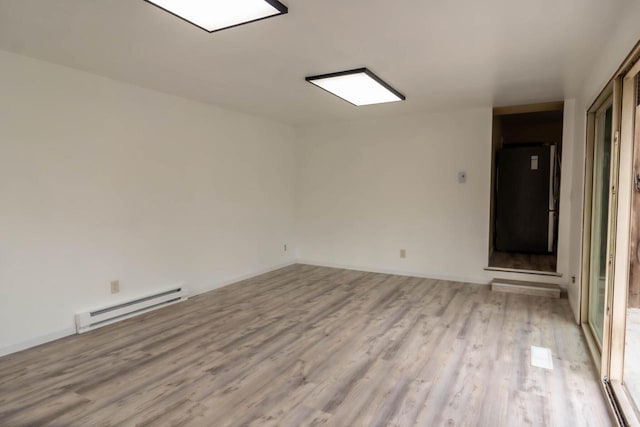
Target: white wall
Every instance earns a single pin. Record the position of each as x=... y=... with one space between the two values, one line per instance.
x=566 y=220
x=101 y=180
x=577 y=204
x=624 y=36
x=367 y=189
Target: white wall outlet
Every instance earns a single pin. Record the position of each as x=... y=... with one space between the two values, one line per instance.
x=403 y=253
x=115 y=286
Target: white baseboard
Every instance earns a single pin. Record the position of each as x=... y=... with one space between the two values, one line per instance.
x=71 y=331
x=43 y=339
x=473 y=280
x=240 y=278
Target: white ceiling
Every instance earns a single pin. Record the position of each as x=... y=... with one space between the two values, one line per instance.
x=440 y=54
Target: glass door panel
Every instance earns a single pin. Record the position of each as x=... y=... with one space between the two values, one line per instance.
x=599 y=223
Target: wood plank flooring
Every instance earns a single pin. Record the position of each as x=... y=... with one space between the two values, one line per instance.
x=518 y=261
x=310 y=346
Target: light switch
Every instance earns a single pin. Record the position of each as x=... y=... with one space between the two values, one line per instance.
x=534 y=163
x=462 y=177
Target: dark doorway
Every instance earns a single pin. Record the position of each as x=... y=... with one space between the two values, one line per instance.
x=527 y=147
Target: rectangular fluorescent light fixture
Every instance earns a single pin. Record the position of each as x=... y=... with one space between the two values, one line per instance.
x=359 y=87
x=216 y=15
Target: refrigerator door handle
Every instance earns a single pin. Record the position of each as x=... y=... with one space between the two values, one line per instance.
x=552 y=174
x=552 y=230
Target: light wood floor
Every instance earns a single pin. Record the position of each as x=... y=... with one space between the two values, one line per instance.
x=517 y=261
x=316 y=346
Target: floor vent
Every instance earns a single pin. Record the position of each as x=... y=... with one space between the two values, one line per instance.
x=105 y=316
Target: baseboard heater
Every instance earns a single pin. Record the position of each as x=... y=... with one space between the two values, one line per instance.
x=90 y=320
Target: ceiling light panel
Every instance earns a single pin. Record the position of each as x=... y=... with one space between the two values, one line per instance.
x=216 y=15
x=359 y=87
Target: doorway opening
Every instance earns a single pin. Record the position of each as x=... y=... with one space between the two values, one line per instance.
x=526 y=165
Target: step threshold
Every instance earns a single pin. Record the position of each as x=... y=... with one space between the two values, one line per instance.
x=526 y=288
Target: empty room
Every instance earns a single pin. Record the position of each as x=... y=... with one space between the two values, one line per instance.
x=306 y=213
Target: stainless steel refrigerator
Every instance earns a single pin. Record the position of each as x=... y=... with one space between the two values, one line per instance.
x=526 y=202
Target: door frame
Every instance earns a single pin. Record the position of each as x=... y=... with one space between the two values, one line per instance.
x=618 y=317
x=601 y=102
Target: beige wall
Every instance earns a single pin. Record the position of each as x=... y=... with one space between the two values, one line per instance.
x=369 y=188
x=101 y=180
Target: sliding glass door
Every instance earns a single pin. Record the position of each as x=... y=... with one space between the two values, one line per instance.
x=610 y=311
x=632 y=340
x=610 y=286
x=597 y=284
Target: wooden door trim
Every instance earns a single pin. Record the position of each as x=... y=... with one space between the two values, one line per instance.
x=528 y=108
x=630 y=148
x=612 y=226
x=611 y=361
x=604 y=99
x=587 y=206
x=621 y=280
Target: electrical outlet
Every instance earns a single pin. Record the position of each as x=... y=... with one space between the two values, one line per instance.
x=285 y=247
x=573 y=279
x=403 y=253
x=115 y=286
